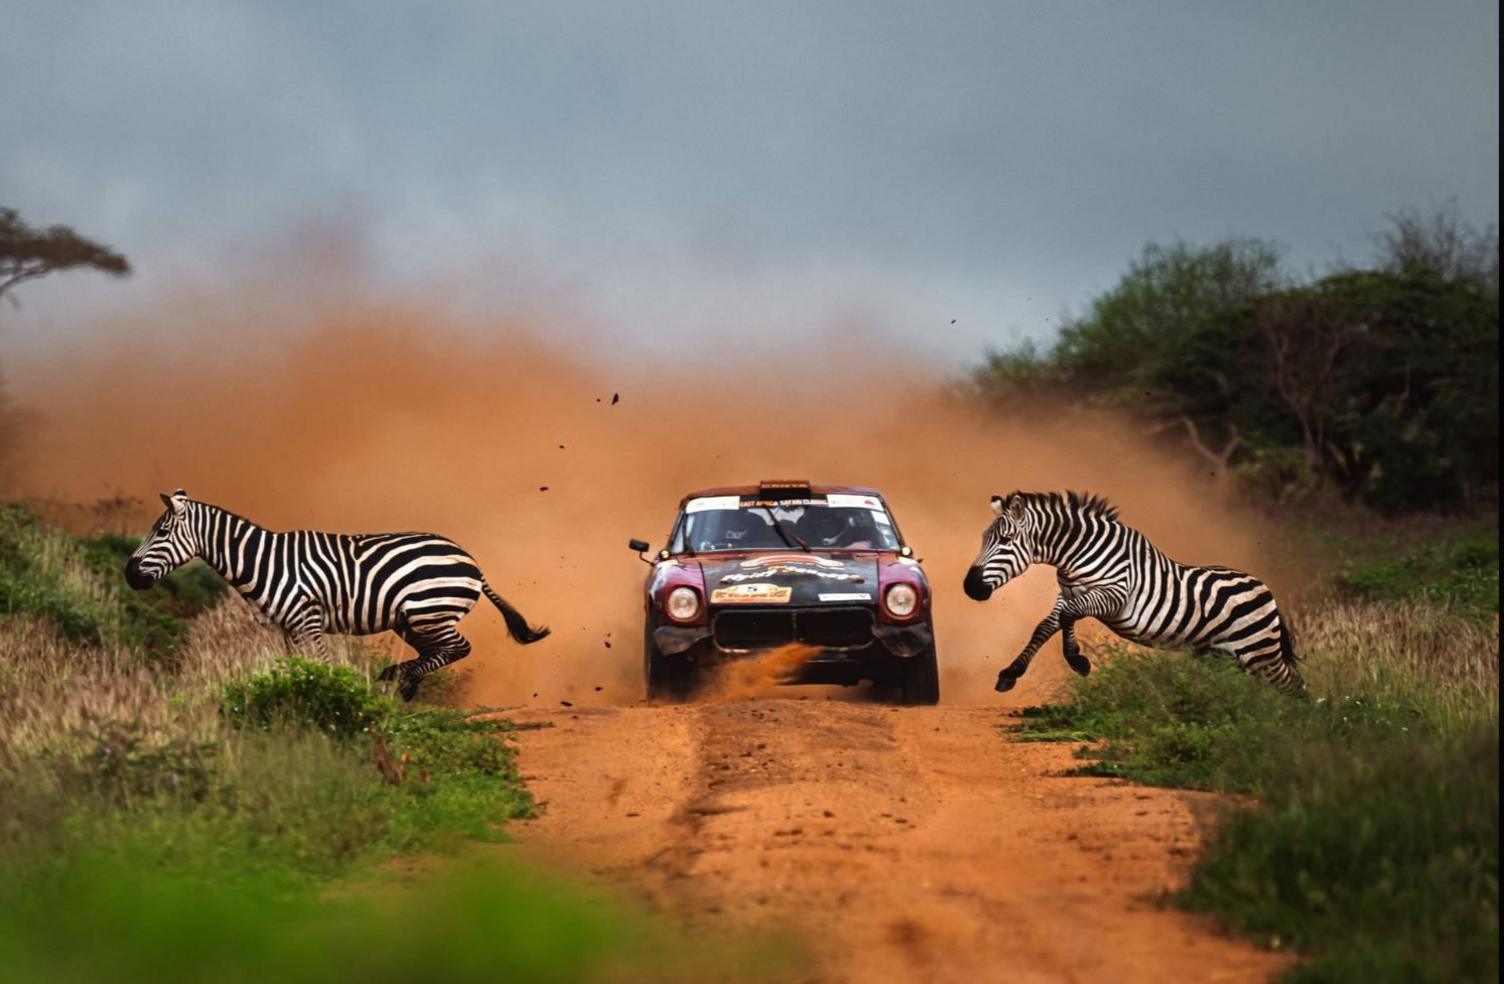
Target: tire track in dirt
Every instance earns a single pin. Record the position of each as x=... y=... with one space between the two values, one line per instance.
x=899 y=843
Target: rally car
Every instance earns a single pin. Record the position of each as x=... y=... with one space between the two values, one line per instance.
x=749 y=568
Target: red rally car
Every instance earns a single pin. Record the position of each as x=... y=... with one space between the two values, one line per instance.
x=751 y=567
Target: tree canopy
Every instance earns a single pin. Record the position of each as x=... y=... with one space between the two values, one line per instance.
x=27 y=253
x=1381 y=383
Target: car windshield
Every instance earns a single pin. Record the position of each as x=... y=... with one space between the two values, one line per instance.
x=835 y=522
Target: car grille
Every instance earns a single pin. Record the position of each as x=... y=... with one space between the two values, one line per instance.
x=829 y=628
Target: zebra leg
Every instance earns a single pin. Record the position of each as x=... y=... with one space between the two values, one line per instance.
x=1072 y=648
x=418 y=640
x=436 y=650
x=1093 y=604
x=305 y=630
x=1009 y=674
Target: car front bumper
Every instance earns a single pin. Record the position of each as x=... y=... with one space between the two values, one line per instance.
x=845 y=640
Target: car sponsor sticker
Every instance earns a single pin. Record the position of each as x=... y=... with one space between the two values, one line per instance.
x=798 y=558
x=712 y=502
x=794 y=570
x=845 y=596
x=752 y=594
x=842 y=500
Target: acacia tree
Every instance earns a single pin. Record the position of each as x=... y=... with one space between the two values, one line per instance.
x=1442 y=242
x=27 y=253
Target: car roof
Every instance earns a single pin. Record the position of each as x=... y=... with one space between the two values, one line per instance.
x=783 y=487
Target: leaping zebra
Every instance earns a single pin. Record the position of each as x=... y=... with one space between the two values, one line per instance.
x=418 y=585
x=1112 y=572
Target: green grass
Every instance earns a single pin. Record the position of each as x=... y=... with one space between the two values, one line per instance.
x=1373 y=843
x=78 y=586
x=129 y=856
x=1384 y=861
x=1461 y=573
x=107 y=917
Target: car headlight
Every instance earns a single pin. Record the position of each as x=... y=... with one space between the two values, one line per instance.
x=683 y=604
x=901 y=600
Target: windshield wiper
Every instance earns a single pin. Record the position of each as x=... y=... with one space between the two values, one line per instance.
x=785 y=535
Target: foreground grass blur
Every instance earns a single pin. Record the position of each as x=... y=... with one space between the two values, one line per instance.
x=1368 y=837
x=216 y=811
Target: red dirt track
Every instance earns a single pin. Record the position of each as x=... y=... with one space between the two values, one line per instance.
x=901 y=844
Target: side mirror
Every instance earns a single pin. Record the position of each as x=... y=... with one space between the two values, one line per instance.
x=639 y=546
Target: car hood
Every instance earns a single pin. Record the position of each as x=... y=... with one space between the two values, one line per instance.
x=791 y=579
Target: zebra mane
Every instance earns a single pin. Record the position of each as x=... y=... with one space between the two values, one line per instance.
x=1091 y=503
x=224 y=512
x=1075 y=502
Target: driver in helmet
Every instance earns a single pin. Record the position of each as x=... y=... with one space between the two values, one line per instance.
x=741 y=529
x=824 y=527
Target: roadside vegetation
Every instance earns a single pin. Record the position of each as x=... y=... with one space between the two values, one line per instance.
x=182 y=801
x=1366 y=830
x=1376 y=385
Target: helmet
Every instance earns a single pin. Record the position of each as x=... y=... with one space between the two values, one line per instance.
x=740 y=528
x=820 y=526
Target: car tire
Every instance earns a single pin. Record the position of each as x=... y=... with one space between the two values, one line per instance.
x=667 y=677
x=919 y=679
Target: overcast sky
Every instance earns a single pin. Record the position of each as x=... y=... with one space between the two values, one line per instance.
x=688 y=169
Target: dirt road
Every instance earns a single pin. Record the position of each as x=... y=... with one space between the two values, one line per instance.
x=901 y=844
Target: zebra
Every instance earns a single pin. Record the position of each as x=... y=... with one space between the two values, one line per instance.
x=418 y=585
x=1112 y=572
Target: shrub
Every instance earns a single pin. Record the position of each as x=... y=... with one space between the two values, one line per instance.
x=1463 y=574
x=120 y=764
x=330 y=699
x=77 y=587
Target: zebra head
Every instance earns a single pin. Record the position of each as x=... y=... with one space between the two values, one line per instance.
x=1006 y=548
x=168 y=546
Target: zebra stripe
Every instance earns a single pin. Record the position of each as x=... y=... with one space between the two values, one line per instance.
x=311 y=583
x=1112 y=572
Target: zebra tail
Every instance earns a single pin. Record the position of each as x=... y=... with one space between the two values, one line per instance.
x=1295 y=683
x=1287 y=642
x=517 y=626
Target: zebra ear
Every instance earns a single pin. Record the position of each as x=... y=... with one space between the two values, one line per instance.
x=1016 y=507
x=997 y=505
x=177 y=502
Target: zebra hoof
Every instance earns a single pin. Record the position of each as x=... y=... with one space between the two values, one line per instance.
x=409 y=688
x=1079 y=663
x=1005 y=682
x=390 y=673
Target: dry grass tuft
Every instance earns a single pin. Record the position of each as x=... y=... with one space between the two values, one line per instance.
x=51 y=689
x=1413 y=645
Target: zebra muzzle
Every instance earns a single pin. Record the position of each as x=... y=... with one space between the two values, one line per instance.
x=976 y=588
x=135 y=577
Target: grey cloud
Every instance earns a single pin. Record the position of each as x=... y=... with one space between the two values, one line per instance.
x=1002 y=160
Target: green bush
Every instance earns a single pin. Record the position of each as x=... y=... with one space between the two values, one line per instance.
x=77 y=586
x=330 y=699
x=120 y=764
x=1216 y=343
x=1463 y=573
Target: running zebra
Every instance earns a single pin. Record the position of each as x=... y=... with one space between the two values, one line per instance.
x=1112 y=572
x=418 y=585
